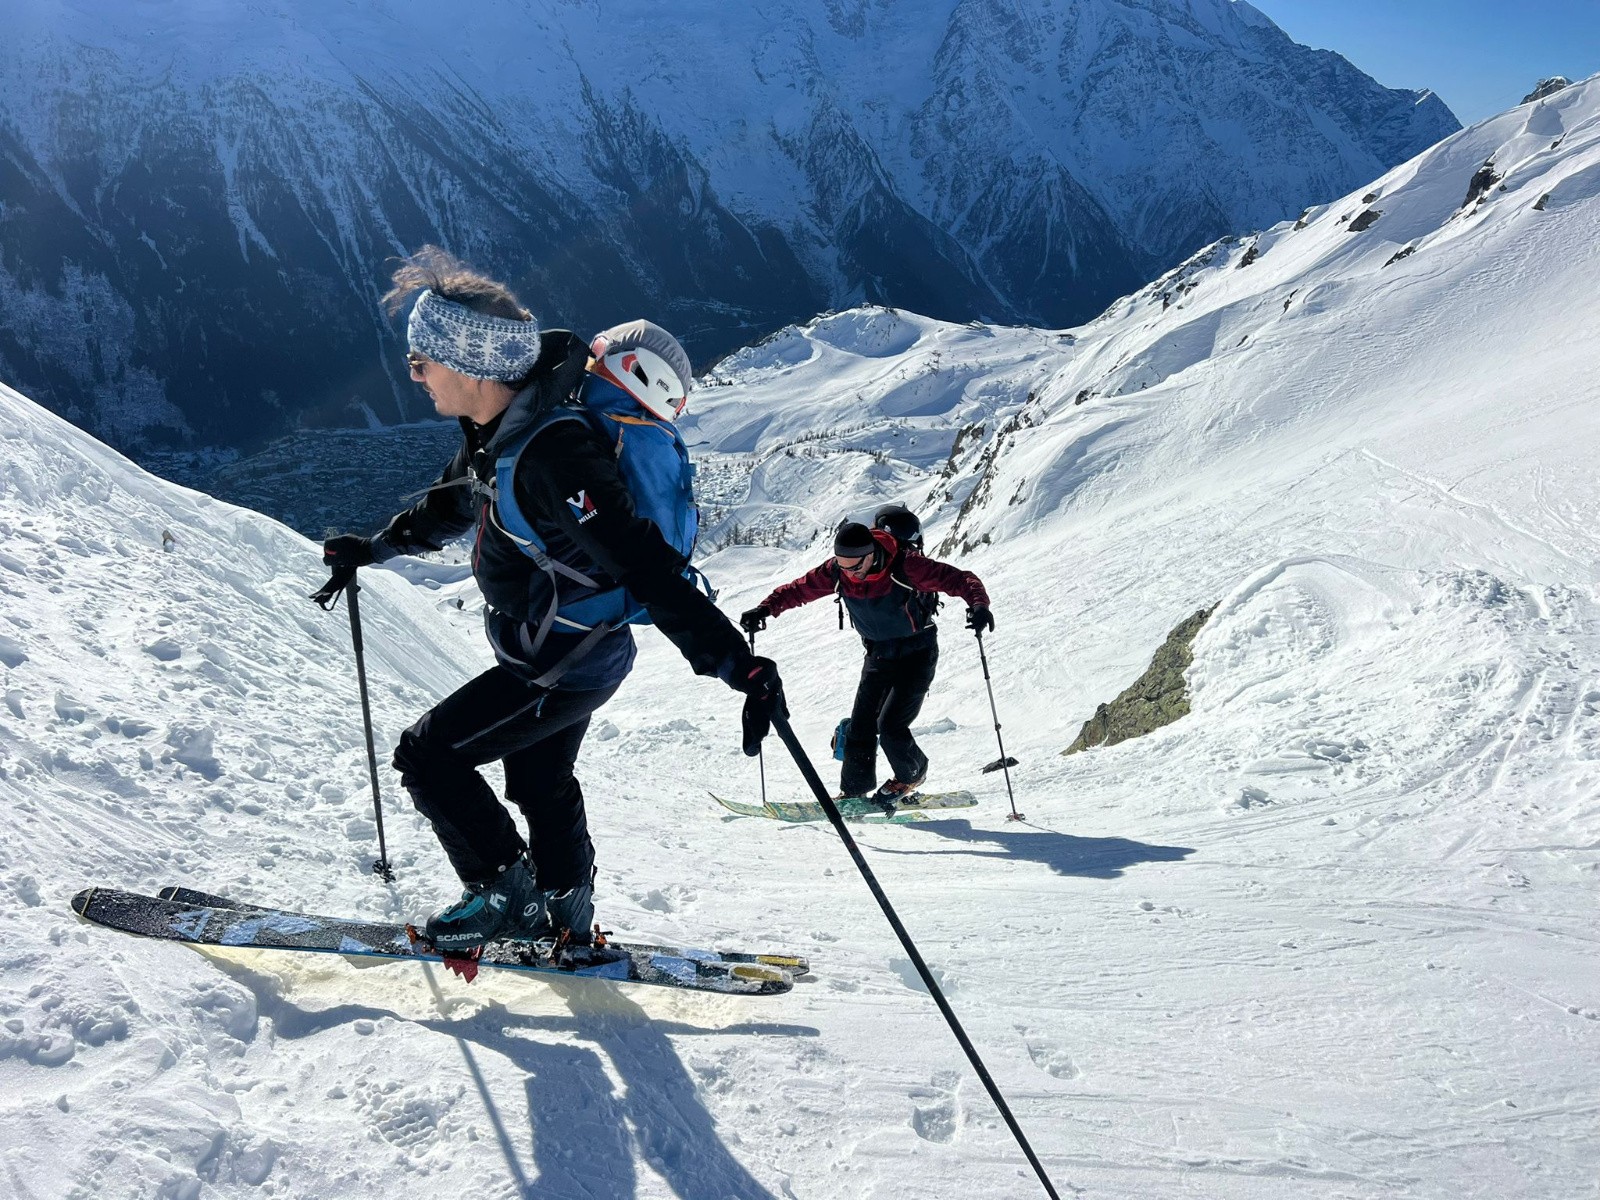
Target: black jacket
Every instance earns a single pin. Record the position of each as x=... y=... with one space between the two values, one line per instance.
x=611 y=543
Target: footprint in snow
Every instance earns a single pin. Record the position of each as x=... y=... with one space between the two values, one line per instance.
x=12 y=653
x=164 y=650
x=1051 y=1059
x=194 y=749
x=131 y=727
x=406 y=1118
x=1331 y=751
x=655 y=900
x=934 y=1112
x=907 y=971
x=70 y=710
x=1251 y=797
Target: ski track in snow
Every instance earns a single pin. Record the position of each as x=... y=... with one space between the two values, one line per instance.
x=1331 y=935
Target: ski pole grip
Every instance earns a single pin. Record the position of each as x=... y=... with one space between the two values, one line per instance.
x=328 y=594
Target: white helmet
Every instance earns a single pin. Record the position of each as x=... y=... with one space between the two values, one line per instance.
x=647 y=362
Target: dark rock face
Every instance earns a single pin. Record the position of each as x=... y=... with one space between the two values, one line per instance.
x=196 y=221
x=1547 y=87
x=223 y=306
x=1156 y=698
x=1484 y=178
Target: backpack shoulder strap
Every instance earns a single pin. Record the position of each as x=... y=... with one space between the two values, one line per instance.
x=509 y=518
x=507 y=513
x=897 y=568
x=926 y=603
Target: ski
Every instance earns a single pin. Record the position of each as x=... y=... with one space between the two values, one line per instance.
x=856 y=809
x=271 y=929
x=795 y=964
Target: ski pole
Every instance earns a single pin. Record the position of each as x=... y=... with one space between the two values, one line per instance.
x=761 y=755
x=803 y=761
x=1004 y=762
x=381 y=868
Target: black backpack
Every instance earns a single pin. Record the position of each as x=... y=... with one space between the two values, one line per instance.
x=900 y=521
x=904 y=526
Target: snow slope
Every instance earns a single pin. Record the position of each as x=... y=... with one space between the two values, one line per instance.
x=1331 y=935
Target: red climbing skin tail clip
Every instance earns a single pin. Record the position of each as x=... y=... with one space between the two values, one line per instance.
x=464 y=965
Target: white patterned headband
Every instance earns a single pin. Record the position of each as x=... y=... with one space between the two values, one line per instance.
x=472 y=343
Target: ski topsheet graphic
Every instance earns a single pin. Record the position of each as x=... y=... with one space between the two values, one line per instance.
x=856 y=808
x=795 y=964
x=214 y=921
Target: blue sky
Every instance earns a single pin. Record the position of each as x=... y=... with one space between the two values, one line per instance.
x=1480 y=56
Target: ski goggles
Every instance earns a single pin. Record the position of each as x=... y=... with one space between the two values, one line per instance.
x=854 y=567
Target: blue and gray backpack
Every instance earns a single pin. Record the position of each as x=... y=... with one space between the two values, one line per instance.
x=654 y=464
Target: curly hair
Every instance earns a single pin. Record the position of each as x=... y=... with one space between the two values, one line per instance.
x=436 y=269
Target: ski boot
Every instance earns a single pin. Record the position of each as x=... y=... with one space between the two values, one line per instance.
x=565 y=917
x=896 y=792
x=502 y=907
x=569 y=915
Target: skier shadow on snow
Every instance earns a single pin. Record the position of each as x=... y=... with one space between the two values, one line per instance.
x=1063 y=853
x=581 y=1132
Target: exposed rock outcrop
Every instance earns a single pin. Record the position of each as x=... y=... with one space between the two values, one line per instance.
x=1158 y=697
x=1547 y=87
x=1482 y=180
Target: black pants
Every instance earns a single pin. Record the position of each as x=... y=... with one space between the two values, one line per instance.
x=888 y=699
x=536 y=734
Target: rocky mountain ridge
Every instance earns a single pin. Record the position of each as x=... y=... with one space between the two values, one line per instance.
x=195 y=211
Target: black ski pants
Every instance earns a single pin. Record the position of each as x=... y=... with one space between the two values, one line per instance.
x=535 y=734
x=894 y=682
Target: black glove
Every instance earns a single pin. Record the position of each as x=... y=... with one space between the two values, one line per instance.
x=344 y=553
x=341 y=578
x=754 y=620
x=347 y=550
x=763 y=700
x=979 y=618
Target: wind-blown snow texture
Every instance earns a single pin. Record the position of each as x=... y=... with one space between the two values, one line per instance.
x=196 y=202
x=1332 y=935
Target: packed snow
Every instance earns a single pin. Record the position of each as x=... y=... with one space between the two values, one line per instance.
x=1332 y=934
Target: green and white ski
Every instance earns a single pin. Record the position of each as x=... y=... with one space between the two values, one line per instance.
x=856 y=809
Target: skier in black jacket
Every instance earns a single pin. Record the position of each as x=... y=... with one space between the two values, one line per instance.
x=483 y=359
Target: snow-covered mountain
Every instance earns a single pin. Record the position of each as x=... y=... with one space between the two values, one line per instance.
x=1330 y=935
x=196 y=203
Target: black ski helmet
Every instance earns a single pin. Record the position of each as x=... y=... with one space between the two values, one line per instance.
x=900 y=521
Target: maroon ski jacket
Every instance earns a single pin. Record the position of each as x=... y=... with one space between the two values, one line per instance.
x=890 y=602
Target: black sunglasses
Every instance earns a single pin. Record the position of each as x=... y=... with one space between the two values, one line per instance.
x=416 y=361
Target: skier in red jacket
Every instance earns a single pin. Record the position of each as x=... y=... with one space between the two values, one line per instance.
x=887 y=586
